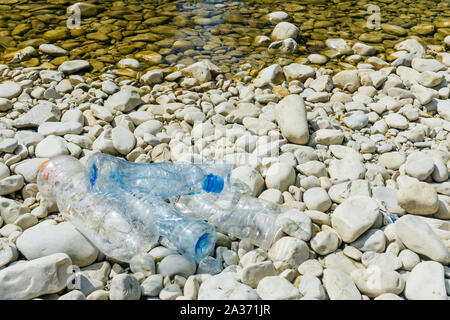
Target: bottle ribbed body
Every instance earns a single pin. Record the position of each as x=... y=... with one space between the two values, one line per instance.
x=161 y=179
x=195 y=239
x=115 y=223
x=238 y=215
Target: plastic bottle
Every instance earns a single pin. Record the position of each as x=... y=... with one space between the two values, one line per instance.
x=241 y=216
x=194 y=239
x=163 y=179
x=115 y=223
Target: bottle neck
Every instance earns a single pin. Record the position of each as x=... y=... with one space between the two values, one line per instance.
x=213 y=183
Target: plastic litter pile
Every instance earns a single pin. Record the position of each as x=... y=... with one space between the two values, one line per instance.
x=121 y=206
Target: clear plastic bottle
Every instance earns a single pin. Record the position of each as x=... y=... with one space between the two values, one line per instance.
x=115 y=223
x=162 y=179
x=194 y=239
x=241 y=216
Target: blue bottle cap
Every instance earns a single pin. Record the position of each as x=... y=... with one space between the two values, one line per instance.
x=93 y=174
x=213 y=183
x=203 y=245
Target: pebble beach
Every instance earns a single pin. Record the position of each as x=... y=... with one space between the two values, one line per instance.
x=337 y=111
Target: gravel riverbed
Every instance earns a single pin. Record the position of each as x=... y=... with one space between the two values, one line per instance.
x=342 y=146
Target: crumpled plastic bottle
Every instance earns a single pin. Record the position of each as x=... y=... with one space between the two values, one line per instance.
x=194 y=239
x=115 y=223
x=239 y=215
x=162 y=179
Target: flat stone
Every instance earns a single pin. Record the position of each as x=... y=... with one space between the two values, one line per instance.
x=199 y=71
x=322 y=83
x=73 y=115
x=53 y=50
x=152 y=286
x=382 y=260
x=371 y=240
x=393 y=29
x=397 y=121
x=8 y=145
x=324 y=242
x=176 y=265
x=418 y=198
x=73 y=295
x=98 y=295
x=354 y=216
x=50 y=147
x=317 y=58
x=123 y=139
x=280 y=176
x=313 y=168
x=348 y=168
x=423 y=65
x=431 y=79
x=277 y=288
x=420 y=238
x=285 y=30
x=110 y=87
x=29 y=168
x=409 y=259
x=153 y=77
x=5 y=104
x=340 y=45
x=297 y=71
x=289 y=250
x=327 y=137
x=295 y=223
x=356 y=121
x=11 y=184
x=339 y=285
x=426 y=282
x=124 y=287
x=311 y=287
x=411 y=45
x=171 y=292
x=125 y=100
x=375 y=281
x=49 y=76
x=225 y=286
x=392 y=160
x=29 y=279
x=317 y=199
x=443 y=108
x=347 y=80
x=43 y=112
x=129 y=63
x=69 y=67
x=419 y=165
x=11 y=209
x=8 y=252
x=45 y=239
x=278 y=16
x=60 y=128
x=254 y=273
x=85 y=9
x=363 y=49
x=9 y=89
x=423 y=94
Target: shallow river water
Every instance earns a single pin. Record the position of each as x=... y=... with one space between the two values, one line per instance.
x=162 y=33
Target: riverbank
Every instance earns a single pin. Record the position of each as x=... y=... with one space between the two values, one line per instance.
x=339 y=147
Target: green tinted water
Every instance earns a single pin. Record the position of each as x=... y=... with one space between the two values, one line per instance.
x=162 y=33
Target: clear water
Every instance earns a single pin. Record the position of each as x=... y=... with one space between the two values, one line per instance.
x=220 y=30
